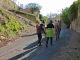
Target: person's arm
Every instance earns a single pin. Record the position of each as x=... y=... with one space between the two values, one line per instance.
x=52 y=26
x=43 y=29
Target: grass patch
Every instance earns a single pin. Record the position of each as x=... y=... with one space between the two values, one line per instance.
x=20 y=12
x=13 y=26
x=1 y=28
x=2 y=11
x=9 y=2
x=30 y=23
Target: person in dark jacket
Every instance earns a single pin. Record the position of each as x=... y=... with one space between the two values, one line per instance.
x=39 y=33
x=49 y=33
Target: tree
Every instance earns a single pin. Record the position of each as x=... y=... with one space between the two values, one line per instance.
x=73 y=11
x=51 y=15
x=64 y=17
x=33 y=7
x=40 y=17
x=45 y=18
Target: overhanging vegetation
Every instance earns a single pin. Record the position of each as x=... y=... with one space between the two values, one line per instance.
x=71 y=13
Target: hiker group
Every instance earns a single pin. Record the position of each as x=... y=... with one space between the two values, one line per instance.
x=49 y=31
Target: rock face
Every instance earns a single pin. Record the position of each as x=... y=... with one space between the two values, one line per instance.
x=75 y=25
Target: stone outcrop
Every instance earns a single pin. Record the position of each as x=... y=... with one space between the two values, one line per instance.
x=75 y=25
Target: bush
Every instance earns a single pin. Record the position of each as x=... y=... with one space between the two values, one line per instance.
x=13 y=25
x=71 y=13
x=1 y=28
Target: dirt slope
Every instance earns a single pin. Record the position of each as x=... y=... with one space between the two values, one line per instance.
x=6 y=16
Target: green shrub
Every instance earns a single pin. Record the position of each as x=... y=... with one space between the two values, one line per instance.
x=1 y=28
x=10 y=17
x=73 y=11
x=6 y=25
x=11 y=32
x=13 y=26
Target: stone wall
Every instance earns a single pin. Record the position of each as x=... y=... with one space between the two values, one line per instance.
x=75 y=25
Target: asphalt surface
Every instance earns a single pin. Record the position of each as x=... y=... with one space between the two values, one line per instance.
x=26 y=48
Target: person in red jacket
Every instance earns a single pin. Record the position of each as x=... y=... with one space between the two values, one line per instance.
x=37 y=25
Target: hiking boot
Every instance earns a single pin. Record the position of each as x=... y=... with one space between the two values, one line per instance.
x=46 y=45
x=39 y=44
x=51 y=44
x=56 y=39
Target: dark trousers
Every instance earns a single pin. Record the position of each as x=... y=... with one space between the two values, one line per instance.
x=39 y=37
x=48 y=40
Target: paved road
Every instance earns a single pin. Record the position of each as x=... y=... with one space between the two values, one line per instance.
x=25 y=48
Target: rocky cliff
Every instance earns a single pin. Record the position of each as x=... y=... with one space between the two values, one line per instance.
x=75 y=25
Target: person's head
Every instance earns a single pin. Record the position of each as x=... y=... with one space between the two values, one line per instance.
x=37 y=23
x=58 y=20
x=41 y=25
x=55 y=20
x=50 y=21
x=43 y=21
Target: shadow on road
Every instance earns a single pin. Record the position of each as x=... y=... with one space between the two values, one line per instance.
x=29 y=49
x=43 y=53
x=28 y=35
x=49 y=53
x=22 y=54
x=33 y=44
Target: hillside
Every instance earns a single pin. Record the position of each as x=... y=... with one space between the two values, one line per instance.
x=12 y=24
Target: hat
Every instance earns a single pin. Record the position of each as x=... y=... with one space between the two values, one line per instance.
x=41 y=25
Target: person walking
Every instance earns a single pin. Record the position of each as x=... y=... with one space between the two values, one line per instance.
x=55 y=24
x=57 y=29
x=39 y=33
x=49 y=33
x=37 y=25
